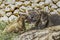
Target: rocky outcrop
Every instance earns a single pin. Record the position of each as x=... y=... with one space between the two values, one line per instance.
x=46 y=34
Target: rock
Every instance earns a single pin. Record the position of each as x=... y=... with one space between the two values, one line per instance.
x=35 y=1
x=23 y=7
x=54 y=6
x=16 y=6
x=19 y=3
x=21 y=10
x=37 y=5
x=36 y=8
x=51 y=4
x=31 y=35
x=58 y=10
x=22 y=13
x=51 y=9
x=33 y=5
x=26 y=2
x=8 y=14
x=10 y=1
x=29 y=8
x=41 y=3
x=55 y=36
x=58 y=3
x=55 y=1
x=4 y=18
x=16 y=11
x=7 y=9
x=12 y=7
x=54 y=12
x=12 y=18
x=2 y=6
x=37 y=35
x=46 y=9
x=48 y=2
x=45 y=34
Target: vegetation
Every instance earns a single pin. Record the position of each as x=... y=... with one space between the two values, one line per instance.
x=5 y=36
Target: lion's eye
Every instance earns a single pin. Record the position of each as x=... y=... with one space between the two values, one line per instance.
x=31 y=16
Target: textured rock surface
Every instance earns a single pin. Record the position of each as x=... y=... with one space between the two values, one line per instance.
x=15 y=7
x=46 y=34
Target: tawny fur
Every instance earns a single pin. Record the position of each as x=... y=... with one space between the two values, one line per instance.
x=16 y=26
x=42 y=20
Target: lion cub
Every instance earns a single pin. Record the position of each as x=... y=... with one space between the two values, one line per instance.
x=43 y=19
x=40 y=19
x=17 y=26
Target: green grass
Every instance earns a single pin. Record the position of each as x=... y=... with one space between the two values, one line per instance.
x=2 y=25
x=5 y=36
x=9 y=36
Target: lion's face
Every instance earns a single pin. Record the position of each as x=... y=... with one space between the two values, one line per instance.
x=33 y=15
